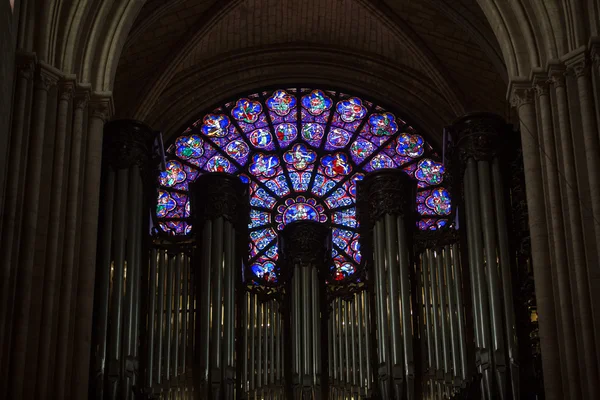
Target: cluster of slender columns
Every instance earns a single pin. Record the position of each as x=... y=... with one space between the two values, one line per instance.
x=477 y=151
x=382 y=205
x=49 y=232
x=443 y=328
x=219 y=202
x=557 y=111
x=349 y=347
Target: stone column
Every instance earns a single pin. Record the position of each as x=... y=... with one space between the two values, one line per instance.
x=580 y=65
x=383 y=203
x=304 y=251
x=220 y=203
x=11 y=217
x=52 y=278
x=523 y=100
x=45 y=79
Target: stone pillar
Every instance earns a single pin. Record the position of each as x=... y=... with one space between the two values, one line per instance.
x=219 y=202
x=12 y=205
x=46 y=78
x=304 y=252
x=128 y=151
x=522 y=98
x=383 y=202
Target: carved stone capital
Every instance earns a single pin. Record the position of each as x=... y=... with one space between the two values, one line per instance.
x=581 y=67
x=387 y=191
x=100 y=108
x=541 y=88
x=305 y=244
x=25 y=65
x=127 y=143
x=45 y=79
x=478 y=136
x=522 y=96
x=215 y=195
x=557 y=78
x=66 y=89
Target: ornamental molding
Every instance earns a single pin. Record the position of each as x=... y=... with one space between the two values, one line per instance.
x=66 y=89
x=578 y=62
x=478 y=136
x=46 y=77
x=521 y=95
x=101 y=106
x=305 y=244
x=218 y=195
x=128 y=143
x=387 y=191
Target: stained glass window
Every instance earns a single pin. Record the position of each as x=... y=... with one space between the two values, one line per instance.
x=301 y=151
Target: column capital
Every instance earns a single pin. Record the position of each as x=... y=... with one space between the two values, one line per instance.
x=541 y=84
x=101 y=106
x=578 y=62
x=387 y=191
x=521 y=94
x=66 y=89
x=557 y=75
x=305 y=244
x=219 y=195
x=81 y=97
x=46 y=77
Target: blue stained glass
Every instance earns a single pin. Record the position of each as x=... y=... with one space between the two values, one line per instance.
x=361 y=149
x=316 y=102
x=285 y=133
x=300 y=157
x=279 y=156
x=259 y=218
x=337 y=138
x=312 y=133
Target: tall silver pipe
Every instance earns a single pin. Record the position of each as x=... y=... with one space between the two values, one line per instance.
x=427 y=310
x=228 y=297
x=340 y=319
x=216 y=283
x=266 y=345
x=178 y=313
x=272 y=345
x=367 y=318
x=505 y=271
x=316 y=324
x=151 y=316
x=330 y=341
x=476 y=243
x=253 y=321
x=334 y=343
x=203 y=295
x=353 y=339
x=169 y=314
x=457 y=268
x=346 y=327
x=443 y=318
x=359 y=318
x=245 y=356
x=185 y=312
x=279 y=344
x=161 y=311
x=382 y=313
x=493 y=280
x=391 y=257
x=433 y=257
x=297 y=323
x=406 y=311
x=306 y=329
x=450 y=290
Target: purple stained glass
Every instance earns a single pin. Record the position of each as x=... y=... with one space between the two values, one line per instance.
x=261 y=139
x=410 y=145
x=361 y=149
x=313 y=133
x=285 y=133
x=337 y=138
x=281 y=102
x=300 y=157
x=336 y=165
x=286 y=161
x=264 y=165
x=351 y=109
x=247 y=111
x=383 y=124
x=316 y=102
x=430 y=172
x=215 y=125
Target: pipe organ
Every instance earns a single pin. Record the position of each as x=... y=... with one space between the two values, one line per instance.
x=429 y=316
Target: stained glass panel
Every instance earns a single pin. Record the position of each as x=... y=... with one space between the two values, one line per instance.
x=300 y=170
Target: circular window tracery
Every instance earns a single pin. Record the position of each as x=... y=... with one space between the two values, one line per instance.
x=301 y=151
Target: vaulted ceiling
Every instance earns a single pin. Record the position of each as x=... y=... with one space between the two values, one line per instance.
x=432 y=60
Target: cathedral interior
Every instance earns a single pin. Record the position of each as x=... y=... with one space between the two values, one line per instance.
x=308 y=199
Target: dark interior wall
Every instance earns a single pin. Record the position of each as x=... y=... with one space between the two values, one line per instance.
x=8 y=39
